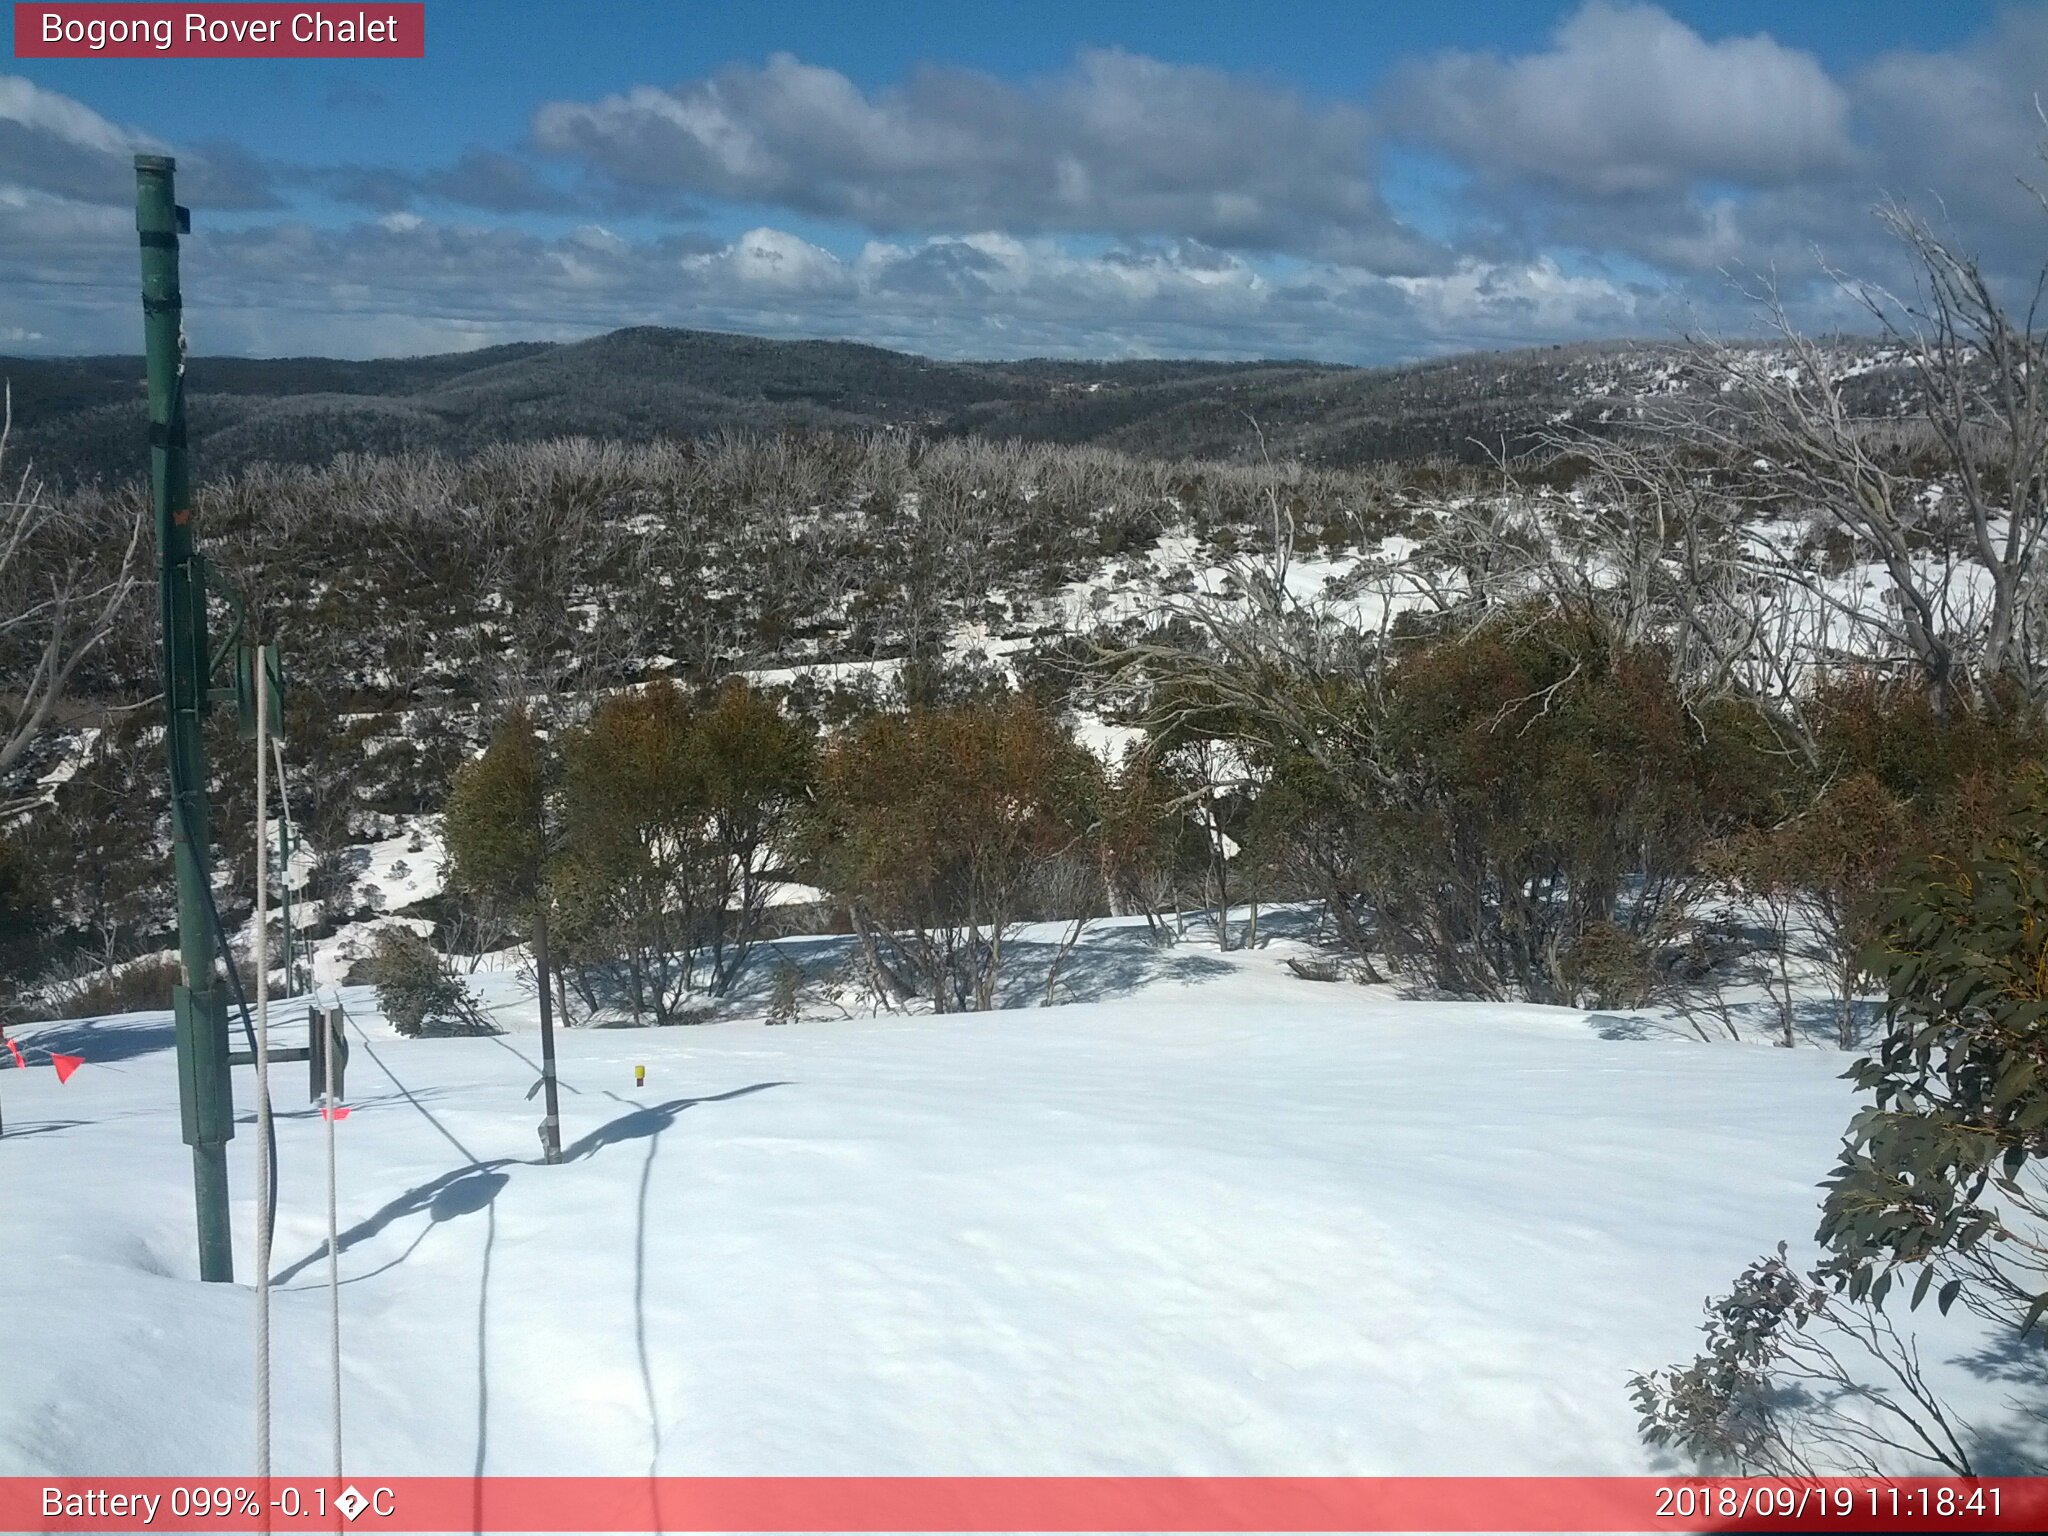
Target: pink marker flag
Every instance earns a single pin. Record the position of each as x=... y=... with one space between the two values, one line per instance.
x=337 y=1112
x=65 y=1065
x=17 y=1055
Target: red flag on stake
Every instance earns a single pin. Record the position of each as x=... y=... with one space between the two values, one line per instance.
x=65 y=1065
x=337 y=1112
x=17 y=1055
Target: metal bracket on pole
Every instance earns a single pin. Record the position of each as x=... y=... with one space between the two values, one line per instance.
x=323 y=1034
x=325 y=1037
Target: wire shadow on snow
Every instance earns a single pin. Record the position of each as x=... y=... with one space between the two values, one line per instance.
x=649 y=1120
x=355 y=1102
x=458 y=1192
x=38 y=1128
x=654 y=1434
x=561 y=1081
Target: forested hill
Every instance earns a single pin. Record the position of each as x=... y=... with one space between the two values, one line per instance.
x=81 y=418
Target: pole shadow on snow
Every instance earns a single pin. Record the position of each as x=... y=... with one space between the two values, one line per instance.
x=648 y=1120
x=458 y=1192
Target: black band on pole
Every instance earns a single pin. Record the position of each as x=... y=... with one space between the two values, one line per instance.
x=159 y=239
x=162 y=306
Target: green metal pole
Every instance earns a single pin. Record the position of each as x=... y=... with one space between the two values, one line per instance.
x=205 y=1097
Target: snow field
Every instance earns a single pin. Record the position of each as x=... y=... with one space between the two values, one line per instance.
x=1228 y=1222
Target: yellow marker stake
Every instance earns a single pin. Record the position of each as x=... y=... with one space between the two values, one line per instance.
x=639 y=1077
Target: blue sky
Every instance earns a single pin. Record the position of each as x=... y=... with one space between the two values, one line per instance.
x=1364 y=182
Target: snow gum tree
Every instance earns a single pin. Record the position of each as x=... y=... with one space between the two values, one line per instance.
x=501 y=834
x=756 y=769
x=1145 y=842
x=1893 y=774
x=632 y=839
x=1545 y=784
x=676 y=817
x=1946 y=499
x=932 y=829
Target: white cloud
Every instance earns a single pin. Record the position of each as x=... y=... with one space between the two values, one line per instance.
x=1632 y=135
x=1958 y=132
x=1118 y=144
x=50 y=142
x=29 y=106
x=772 y=261
x=1627 y=100
x=1533 y=298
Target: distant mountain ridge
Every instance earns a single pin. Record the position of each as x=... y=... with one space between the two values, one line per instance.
x=82 y=418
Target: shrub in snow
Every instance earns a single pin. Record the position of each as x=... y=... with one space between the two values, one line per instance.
x=1893 y=774
x=676 y=814
x=783 y=1001
x=1609 y=966
x=419 y=994
x=1942 y=1176
x=139 y=984
x=1939 y=1192
x=933 y=828
x=331 y=879
x=1481 y=804
x=1783 y=1387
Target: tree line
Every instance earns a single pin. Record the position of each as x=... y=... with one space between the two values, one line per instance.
x=641 y=849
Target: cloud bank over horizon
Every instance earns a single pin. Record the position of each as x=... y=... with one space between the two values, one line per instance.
x=1621 y=178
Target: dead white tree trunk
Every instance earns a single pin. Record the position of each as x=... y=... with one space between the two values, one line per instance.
x=56 y=603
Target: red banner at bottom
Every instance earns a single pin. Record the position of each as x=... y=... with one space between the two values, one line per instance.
x=978 y=1504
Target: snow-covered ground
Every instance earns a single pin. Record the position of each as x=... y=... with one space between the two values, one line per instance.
x=1220 y=1220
